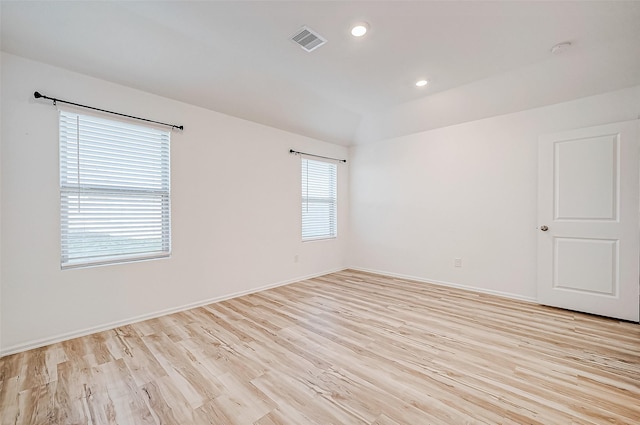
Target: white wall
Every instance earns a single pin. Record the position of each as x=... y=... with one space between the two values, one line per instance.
x=467 y=191
x=416 y=203
x=1 y=57
x=235 y=212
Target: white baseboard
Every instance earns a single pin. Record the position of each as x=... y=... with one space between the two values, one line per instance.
x=107 y=326
x=449 y=284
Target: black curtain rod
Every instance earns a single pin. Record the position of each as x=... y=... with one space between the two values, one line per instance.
x=317 y=156
x=37 y=95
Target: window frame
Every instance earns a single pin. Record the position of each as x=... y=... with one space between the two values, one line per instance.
x=331 y=200
x=122 y=203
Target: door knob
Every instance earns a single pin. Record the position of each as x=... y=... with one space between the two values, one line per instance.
x=544 y=228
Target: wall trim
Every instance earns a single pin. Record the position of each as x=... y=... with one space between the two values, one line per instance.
x=30 y=345
x=449 y=284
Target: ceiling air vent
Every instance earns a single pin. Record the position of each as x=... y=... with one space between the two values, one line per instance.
x=308 y=39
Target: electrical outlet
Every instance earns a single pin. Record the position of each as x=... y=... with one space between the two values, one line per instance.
x=457 y=262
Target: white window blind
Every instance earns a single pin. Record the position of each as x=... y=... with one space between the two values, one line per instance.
x=114 y=191
x=319 y=200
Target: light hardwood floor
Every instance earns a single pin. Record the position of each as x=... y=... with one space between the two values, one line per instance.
x=346 y=348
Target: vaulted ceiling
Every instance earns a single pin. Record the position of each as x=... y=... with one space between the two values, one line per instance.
x=481 y=58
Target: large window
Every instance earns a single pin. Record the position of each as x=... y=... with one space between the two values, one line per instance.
x=319 y=200
x=114 y=191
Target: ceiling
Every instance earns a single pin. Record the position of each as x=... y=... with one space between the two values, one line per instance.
x=481 y=58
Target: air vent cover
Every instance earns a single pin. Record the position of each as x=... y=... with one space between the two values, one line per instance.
x=308 y=39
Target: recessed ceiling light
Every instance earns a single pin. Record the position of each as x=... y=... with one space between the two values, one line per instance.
x=421 y=83
x=360 y=29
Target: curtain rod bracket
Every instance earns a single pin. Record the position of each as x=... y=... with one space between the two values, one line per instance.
x=55 y=101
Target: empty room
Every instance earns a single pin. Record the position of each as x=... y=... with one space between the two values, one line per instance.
x=319 y=212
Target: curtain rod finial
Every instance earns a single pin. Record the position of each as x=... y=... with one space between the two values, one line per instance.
x=37 y=95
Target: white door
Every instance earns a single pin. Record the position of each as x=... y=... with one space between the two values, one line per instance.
x=589 y=220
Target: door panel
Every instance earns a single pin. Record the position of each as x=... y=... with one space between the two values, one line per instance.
x=586 y=265
x=585 y=178
x=589 y=220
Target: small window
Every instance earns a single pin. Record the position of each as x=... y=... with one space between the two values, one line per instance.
x=319 y=200
x=114 y=191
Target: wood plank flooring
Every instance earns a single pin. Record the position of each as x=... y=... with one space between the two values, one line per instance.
x=346 y=348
